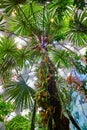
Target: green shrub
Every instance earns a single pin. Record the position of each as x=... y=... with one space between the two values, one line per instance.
x=18 y=123
x=5 y=108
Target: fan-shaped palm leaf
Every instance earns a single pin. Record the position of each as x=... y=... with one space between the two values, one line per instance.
x=60 y=58
x=60 y=7
x=7 y=47
x=7 y=53
x=24 y=22
x=23 y=55
x=19 y=93
x=50 y=25
x=19 y=25
x=9 y=5
x=7 y=63
x=78 y=28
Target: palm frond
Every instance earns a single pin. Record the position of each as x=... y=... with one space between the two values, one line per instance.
x=50 y=25
x=60 y=58
x=64 y=91
x=10 y=5
x=7 y=47
x=77 y=33
x=7 y=54
x=19 y=25
x=23 y=55
x=6 y=66
x=60 y=7
x=19 y=93
x=24 y=22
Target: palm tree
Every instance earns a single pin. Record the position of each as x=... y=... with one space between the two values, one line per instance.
x=44 y=26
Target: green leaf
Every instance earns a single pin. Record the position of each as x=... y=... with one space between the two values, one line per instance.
x=10 y=5
x=19 y=93
x=60 y=58
x=18 y=123
x=77 y=32
x=7 y=47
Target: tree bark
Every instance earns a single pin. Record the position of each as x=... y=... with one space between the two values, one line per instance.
x=61 y=122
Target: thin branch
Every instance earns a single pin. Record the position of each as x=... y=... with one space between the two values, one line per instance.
x=66 y=48
x=24 y=15
x=43 y=18
x=13 y=33
x=26 y=20
x=31 y=6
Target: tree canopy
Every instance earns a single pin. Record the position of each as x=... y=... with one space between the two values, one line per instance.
x=49 y=28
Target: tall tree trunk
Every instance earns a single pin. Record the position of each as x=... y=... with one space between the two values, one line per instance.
x=52 y=113
x=48 y=98
x=33 y=117
x=61 y=122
